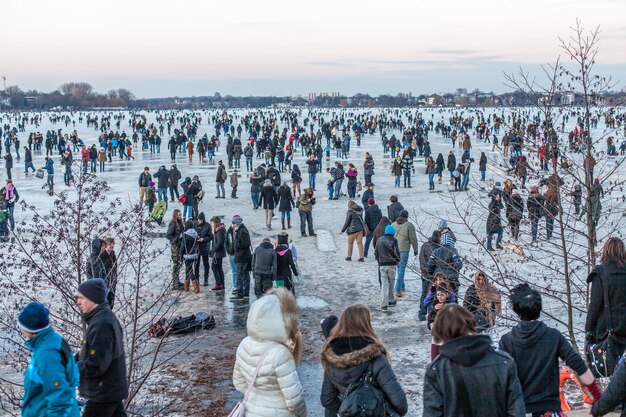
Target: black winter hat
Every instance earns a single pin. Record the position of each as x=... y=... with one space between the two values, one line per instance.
x=201 y=216
x=404 y=214
x=283 y=239
x=327 y=324
x=189 y=225
x=34 y=318
x=94 y=289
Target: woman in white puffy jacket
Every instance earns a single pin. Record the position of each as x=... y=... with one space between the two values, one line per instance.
x=273 y=330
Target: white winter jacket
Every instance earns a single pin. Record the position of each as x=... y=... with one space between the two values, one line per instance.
x=277 y=391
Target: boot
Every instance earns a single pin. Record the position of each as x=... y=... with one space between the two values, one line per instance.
x=288 y=223
x=206 y=281
x=177 y=285
x=282 y=222
x=186 y=285
x=196 y=286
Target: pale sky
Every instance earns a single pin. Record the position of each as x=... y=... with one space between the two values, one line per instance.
x=162 y=48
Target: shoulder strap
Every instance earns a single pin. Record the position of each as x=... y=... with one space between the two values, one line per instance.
x=607 y=307
x=256 y=373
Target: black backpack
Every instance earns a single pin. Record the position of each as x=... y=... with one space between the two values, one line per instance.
x=363 y=398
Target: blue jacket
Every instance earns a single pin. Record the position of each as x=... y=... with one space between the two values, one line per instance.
x=51 y=378
x=49 y=167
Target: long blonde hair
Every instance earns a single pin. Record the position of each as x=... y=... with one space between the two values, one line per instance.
x=354 y=320
x=289 y=309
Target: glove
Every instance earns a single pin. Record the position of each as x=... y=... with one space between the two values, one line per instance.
x=595 y=391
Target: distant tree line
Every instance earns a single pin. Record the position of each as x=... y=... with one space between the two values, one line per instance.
x=81 y=96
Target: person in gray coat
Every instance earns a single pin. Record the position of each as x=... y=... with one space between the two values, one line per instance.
x=264 y=267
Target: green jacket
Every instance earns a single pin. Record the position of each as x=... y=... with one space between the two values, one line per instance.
x=405 y=233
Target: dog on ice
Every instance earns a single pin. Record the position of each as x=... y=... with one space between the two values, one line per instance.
x=512 y=248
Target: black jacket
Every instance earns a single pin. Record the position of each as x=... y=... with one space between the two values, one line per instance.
x=95 y=267
x=268 y=198
x=163 y=175
x=614 y=395
x=469 y=378
x=372 y=216
x=494 y=223
x=312 y=166
x=219 y=243
x=348 y=359
x=101 y=360
x=204 y=233
x=144 y=179
x=285 y=199
x=536 y=349
x=393 y=211
x=284 y=262
x=256 y=181
x=535 y=207
x=354 y=221
x=175 y=176
x=386 y=251
x=596 y=324
x=264 y=259
x=241 y=245
x=174 y=233
x=426 y=250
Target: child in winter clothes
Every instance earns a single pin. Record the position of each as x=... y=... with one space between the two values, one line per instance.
x=536 y=349
x=330 y=188
x=234 y=182
x=443 y=296
x=439 y=280
x=151 y=198
x=577 y=194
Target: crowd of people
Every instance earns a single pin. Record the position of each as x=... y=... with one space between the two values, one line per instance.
x=275 y=146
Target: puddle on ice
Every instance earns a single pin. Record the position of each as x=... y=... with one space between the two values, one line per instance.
x=309 y=301
x=325 y=241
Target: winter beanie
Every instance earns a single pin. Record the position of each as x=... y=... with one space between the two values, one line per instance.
x=94 y=289
x=371 y=201
x=390 y=230
x=404 y=214
x=33 y=318
x=237 y=219
x=327 y=324
x=443 y=224
x=201 y=216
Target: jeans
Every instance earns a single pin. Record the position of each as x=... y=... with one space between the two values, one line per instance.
x=397 y=183
x=93 y=165
x=255 y=199
x=233 y=269
x=11 y=209
x=534 y=226
x=465 y=182
x=431 y=180
x=351 y=189
x=483 y=175
x=50 y=182
x=404 y=260
x=312 y=181
x=286 y=214
x=337 y=192
x=173 y=190
x=187 y=212
x=549 y=226
x=220 y=186
x=243 y=278
x=498 y=239
x=426 y=281
x=306 y=217
x=387 y=279
x=407 y=180
x=249 y=163
x=162 y=194
x=101 y=166
x=368 y=240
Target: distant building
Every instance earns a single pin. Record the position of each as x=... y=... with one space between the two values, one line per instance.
x=312 y=96
x=30 y=100
x=567 y=99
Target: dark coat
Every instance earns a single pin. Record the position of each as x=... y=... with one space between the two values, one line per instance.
x=101 y=360
x=387 y=251
x=372 y=216
x=445 y=259
x=144 y=179
x=596 y=324
x=284 y=262
x=535 y=207
x=256 y=182
x=285 y=199
x=268 y=198
x=348 y=359
x=163 y=176
x=489 y=377
x=264 y=260
x=174 y=233
x=425 y=252
x=95 y=267
x=354 y=221
x=188 y=191
x=536 y=349
x=482 y=162
x=204 y=233
x=367 y=194
x=175 y=176
x=219 y=243
x=241 y=245
x=494 y=223
x=393 y=211
x=451 y=163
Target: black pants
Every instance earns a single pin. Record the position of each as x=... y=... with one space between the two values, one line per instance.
x=218 y=271
x=243 y=278
x=104 y=409
x=205 y=265
x=189 y=269
x=262 y=284
x=174 y=190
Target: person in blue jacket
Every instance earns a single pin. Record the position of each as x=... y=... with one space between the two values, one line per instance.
x=52 y=375
x=49 y=167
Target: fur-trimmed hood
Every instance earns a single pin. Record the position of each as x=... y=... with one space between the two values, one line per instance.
x=347 y=352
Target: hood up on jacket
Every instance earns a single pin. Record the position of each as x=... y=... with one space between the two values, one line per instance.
x=466 y=350
x=528 y=333
x=192 y=233
x=266 y=321
x=96 y=246
x=346 y=352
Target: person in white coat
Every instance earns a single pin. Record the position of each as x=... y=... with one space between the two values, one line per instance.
x=274 y=336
